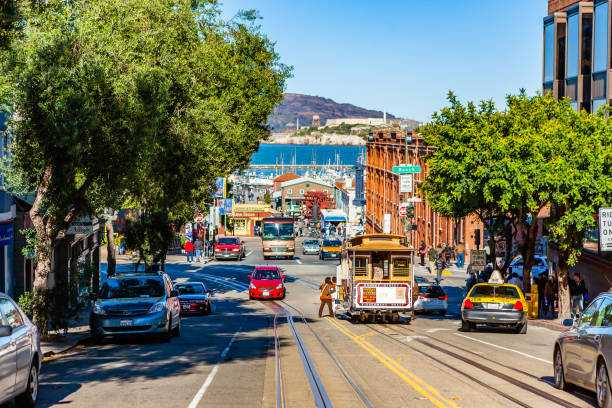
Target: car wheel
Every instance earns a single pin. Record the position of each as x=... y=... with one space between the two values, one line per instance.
x=466 y=326
x=176 y=332
x=521 y=328
x=167 y=336
x=442 y=312
x=559 y=372
x=208 y=309
x=603 y=387
x=30 y=395
x=284 y=293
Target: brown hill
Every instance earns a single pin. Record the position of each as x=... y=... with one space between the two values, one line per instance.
x=304 y=107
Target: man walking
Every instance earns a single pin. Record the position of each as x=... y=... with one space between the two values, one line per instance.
x=422 y=252
x=431 y=257
x=577 y=291
x=440 y=265
x=189 y=250
x=460 y=254
x=326 y=296
x=198 y=246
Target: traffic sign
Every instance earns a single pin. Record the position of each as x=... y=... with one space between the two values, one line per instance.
x=605 y=229
x=406 y=183
x=199 y=218
x=406 y=169
x=478 y=258
x=402 y=210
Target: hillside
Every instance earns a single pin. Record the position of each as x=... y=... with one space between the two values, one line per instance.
x=300 y=106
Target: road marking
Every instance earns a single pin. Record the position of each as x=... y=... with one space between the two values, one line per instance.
x=505 y=348
x=248 y=253
x=198 y=397
x=410 y=338
x=435 y=330
x=298 y=261
x=415 y=382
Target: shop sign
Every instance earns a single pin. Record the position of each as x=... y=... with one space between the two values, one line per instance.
x=605 y=229
x=7 y=232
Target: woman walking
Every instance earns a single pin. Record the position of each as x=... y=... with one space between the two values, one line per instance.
x=422 y=252
x=326 y=296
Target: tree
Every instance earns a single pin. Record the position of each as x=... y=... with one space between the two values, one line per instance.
x=315 y=201
x=267 y=198
x=140 y=99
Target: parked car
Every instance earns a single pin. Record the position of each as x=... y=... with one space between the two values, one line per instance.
x=311 y=247
x=494 y=305
x=229 y=248
x=431 y=299
x=267 y=282
x=330 y=249
x=20 y=355
x=136 y=303
x=540 y=266
x=194 y=298
x=583 y=354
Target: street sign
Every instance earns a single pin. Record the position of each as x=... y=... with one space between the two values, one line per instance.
x=402 y=209
x=478 y=258
x=605 y=229
x=199 y=218
x=414 y=200
x=406 y=169
x=406 y=183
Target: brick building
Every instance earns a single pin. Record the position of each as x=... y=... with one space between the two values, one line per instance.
x=577 y=64
x=292 y=192
x=386 y=148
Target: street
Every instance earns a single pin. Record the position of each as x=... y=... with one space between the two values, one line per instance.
x=230 y=358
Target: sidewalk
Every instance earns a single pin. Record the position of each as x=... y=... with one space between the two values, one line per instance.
x=451 y=270
x=58 y=342
x=553 y=324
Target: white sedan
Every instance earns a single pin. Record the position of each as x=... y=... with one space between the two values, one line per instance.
x=540 y=266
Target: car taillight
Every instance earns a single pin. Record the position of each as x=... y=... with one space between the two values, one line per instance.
x=468 y=304
x=422 y=296
x=518 y=306
x=444 y=297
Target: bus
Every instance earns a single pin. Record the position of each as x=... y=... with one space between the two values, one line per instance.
x=278 y=237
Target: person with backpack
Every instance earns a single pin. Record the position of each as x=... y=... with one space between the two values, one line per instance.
x=327 y=289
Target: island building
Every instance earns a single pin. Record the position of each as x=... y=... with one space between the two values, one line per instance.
x=577 y=64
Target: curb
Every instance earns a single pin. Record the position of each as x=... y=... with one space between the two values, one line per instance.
x=52 y=355
x=549 y=325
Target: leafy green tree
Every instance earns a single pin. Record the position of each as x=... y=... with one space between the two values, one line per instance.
x=150 y=235
x=141 y=99
x=267 y=199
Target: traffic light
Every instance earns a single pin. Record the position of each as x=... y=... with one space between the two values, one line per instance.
x=410 y=211
x=477 y=237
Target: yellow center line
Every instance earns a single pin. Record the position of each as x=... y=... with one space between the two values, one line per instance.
x=414 y=381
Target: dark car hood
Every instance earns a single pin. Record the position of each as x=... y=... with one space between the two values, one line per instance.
x=193 y=297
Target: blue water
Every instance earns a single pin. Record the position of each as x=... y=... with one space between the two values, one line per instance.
x=306 y=154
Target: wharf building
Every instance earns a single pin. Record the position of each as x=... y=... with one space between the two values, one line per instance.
x=386 y=148
x=577 y=64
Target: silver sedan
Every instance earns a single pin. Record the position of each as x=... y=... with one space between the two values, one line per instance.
x=583 y=353
x=20 y=355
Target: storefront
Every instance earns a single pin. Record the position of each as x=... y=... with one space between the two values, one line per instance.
x=332 y=220
x=247 y=216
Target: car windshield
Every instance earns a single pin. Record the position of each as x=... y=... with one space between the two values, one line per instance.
x=266 y=274
x=227 y=241
x=278 y=231
x=132 y=288
x=508 y=292
x=332 y=243
x=311 y=242
x=190 y=289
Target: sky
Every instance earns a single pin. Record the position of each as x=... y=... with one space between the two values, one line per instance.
x=403 y=56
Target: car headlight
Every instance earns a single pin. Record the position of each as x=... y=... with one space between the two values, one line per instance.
x=280 y=286
x=97 y=309
x=158 y=307
x=252 y=286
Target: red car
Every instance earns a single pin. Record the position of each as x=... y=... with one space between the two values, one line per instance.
x=229 y=248
x=267 y=283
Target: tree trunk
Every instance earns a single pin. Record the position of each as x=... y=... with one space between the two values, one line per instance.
x=111 y=255
x=492 y=245
x=565 y=304
x=529 y=253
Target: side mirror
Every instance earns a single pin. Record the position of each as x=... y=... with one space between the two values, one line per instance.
x=174 y=293
x=284 y=276
x=249 y=276
x=568 y=322
x=6 y=331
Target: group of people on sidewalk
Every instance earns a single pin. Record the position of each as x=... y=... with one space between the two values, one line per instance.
x=441 y=257
x=195 y=250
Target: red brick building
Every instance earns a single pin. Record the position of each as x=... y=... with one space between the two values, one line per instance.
x=387 y=148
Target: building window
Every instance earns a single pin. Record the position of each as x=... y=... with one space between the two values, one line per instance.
x=549 y=53
x=302 y=191
x=573 y=38
x=600 y=38
x=289 y=191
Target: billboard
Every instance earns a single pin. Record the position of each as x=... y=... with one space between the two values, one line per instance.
x=225 y=206
x=219 y=188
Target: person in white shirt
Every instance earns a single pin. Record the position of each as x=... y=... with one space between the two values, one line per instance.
x=516 y=280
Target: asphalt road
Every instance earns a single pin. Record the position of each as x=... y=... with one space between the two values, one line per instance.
x=230 y=358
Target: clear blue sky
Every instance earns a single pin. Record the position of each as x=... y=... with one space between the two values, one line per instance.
x=403 y=56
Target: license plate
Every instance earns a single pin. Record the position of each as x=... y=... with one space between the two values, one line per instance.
x=266 y=293
x=492 y=305
x=126 y=323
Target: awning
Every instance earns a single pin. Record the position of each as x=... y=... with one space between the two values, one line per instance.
x=335 y=219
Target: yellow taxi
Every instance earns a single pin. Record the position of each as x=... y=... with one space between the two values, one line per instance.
x=330 y=249
x=494 y=304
